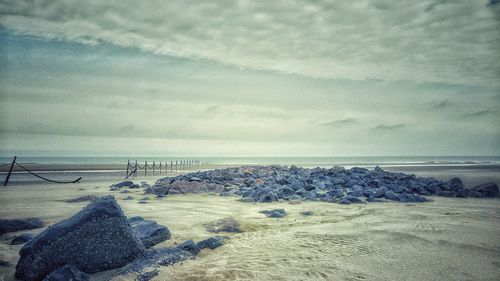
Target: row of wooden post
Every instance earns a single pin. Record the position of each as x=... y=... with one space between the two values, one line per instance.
x=177 y=165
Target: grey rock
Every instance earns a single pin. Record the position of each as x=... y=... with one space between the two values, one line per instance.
x=223 y=225
x=307 y=213
x=97 y=238
x=211 y=243
x=123 y=184
x=489 y=189
x=150 y=232
x=189 y=246
x=275 y=213
x=67 y=273
x=21 y=239
x=146 y=276
x=14 y=225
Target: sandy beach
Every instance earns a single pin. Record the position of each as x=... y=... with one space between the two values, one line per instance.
x=446 y=239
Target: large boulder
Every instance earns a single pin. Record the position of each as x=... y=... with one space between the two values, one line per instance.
x=149 y=231
x=19 y=224
x=97 y=238
x=65 y=273
x=489 y=189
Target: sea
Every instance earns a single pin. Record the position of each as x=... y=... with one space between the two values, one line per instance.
x=114 y=168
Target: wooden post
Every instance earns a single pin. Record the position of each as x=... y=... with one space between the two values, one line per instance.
x=145 y=168
x=153 y=168
x=128 y=166
x=136 y=168
x=10 y=171
x=176 y=166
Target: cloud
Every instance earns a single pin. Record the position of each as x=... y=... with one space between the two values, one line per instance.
x=386 y=40
x=480 y=113
x=341 y=122
x=441 y=105
x=385 y=127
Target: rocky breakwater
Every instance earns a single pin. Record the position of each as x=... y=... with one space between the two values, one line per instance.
x=97 y=238
x=336 y=184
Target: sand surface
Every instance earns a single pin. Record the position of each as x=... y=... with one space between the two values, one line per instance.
x=447 y=239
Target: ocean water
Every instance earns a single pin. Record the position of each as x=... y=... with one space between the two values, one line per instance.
x=114 y=168
x=299 y=161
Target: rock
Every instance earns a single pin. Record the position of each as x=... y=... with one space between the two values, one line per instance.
x=489 y=189
x=21 y=239
x=67 y=273
x=123 y=184
x=135 y=219
x=4 y=263
x=223 y=225
x=276 y=213
x=125 y=191
x=134 y=186
x=462 y=193
x=194 y=179
x=97 y=238
x=150 y=232
x=307 y=213
x=149 y=190
x=189 y=246
x=146 y=276
x=19 y=224
x=455 y=184
x=353 y=199
x=86 y=198
x=247 y=199
x=446 y=193
x=344 y=201
x=212 y=243
x=128 y=198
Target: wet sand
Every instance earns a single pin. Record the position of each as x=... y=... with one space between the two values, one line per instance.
x=447 y=239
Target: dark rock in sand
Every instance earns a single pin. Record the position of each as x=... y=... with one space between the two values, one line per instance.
x=455 y=184
x=223 y=225
x=211 y=243
x=21 y=239
x=307 y=213
x=276 y=213
x=150 y=232
x=146 y=276
x=135 y=219
x=19 y=224
x=124 y=184
x=125 y=191
x=67 y=273
x=4 y=263
x=97 y=238
x=189 y=246
x=128 y=198
x=86 y=198
x=488 y=190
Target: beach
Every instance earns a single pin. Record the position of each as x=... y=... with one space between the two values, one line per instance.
x=445 y=239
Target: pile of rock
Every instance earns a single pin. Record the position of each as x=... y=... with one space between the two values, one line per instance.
x=339 y=185
x=97 y=238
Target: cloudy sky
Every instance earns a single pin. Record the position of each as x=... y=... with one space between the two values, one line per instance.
x=249 y=78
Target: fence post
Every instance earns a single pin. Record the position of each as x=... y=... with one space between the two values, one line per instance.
x=153 y=168
x=136 y=168
x=128 y=166
x=145 y=168
x=10 y=171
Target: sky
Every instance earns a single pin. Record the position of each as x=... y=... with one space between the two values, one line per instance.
x=249 y=78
